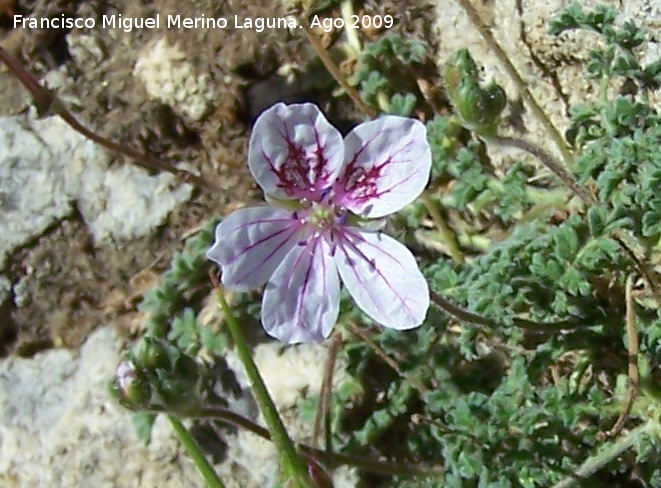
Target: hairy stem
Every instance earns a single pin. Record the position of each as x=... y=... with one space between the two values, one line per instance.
x=293 y=464
x=196 y=454
x=336 y=73
x=607 y=453
x=634 y=375
x=467 y=316
x=550 y=162
x=448 y=237
x=422 y=389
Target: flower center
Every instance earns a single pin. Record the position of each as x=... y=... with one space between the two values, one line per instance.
x=321 y=215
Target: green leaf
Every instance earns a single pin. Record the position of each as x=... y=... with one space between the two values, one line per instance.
x=143 y=422
x=349 y=388
x=651 y=223
x=214 y=342
x=566 y=241
x=185 y=331
x=596 y=220
x=307 y=409
x=402 y=104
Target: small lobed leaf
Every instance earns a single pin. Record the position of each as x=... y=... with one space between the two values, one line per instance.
x=143 y=423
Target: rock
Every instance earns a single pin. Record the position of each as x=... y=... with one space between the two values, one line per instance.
x=60 y=427
x=552 y=67
x=168 y=77
x=46 y=168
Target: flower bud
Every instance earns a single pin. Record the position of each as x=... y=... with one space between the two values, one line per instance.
x=178 y=389
x=479 y=108
x=152 y=353
x=186 y=370
x=175 y=395
x=129 y=387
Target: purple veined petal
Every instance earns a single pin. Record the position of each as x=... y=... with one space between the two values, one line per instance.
x=387 y=165
x=251 y=243
x=383 y=278
x=302 y=298
x=294 y=152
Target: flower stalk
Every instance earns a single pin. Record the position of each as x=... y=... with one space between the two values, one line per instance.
x=292 y=463
x=206 y=470
x=447 y=236
x=609 y=452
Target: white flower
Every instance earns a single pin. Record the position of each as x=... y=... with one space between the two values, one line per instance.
x=322 y=189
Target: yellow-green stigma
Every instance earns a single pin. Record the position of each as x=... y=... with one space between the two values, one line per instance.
x=321 y=216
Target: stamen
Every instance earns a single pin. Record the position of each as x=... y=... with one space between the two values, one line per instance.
x=325 y=192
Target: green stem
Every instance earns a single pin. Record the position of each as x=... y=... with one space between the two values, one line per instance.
x=336 y=73
x=207 y=471
x=603 y=90
x=446 y=234
x=607 y=453
x=330 y=459
x=550 y=162
x=293 y=464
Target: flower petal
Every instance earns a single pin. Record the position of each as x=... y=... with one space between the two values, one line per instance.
x=251 y=243
x=302 y=298
x=388 y=161
x=294 y=152
x=383 y=278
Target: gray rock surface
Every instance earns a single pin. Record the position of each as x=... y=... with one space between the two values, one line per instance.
x=46 y=169
x=552 y=67
x=60 y=428
x=168 y=77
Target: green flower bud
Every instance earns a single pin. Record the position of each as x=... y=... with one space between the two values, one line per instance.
x=129 y=387
x=494 y=101
x=176 y=395
x=152 y=353
x=187 y=371
x=479 y=108
x=178 y=388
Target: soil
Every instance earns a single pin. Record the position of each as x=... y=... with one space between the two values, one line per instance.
x=68 y=284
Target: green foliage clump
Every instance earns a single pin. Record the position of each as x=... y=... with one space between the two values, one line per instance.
x=473 y=184
x=388 y=63
x=517 y=383
x=618 y=58
x=167 y=374
x=188 y=270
